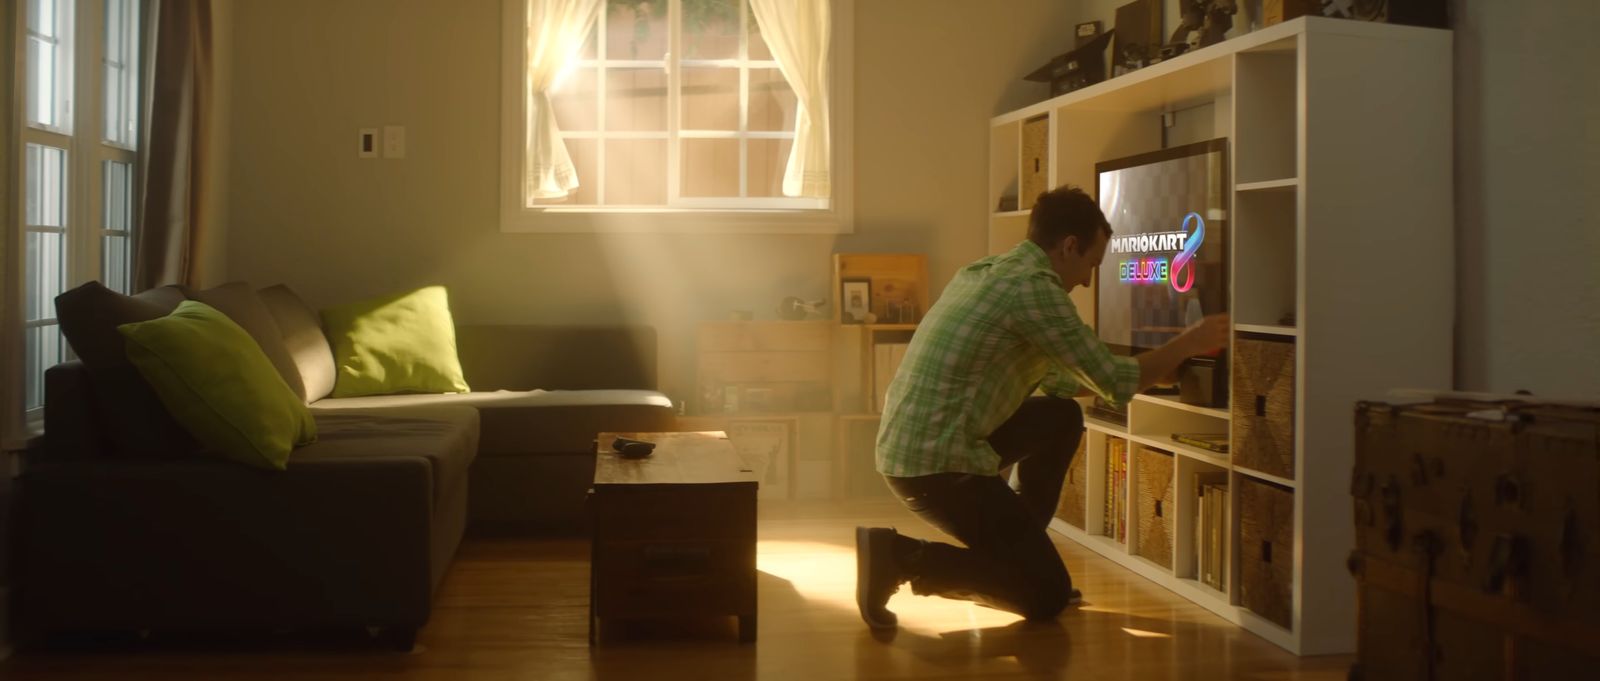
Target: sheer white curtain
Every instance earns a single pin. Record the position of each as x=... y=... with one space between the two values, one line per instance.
x=798 y=32
x=556 y=31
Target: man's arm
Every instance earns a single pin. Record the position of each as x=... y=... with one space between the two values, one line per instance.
x=1048 y=319
x=1160 y=365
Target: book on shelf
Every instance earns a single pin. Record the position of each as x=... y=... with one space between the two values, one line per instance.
x=1116 y=506
x=1211 y=442
x=886 y=359
x=1210 y=529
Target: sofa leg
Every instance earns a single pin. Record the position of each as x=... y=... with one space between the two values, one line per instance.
x=401 y=639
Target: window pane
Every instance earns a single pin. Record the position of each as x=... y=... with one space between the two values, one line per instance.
x=45 y=271
x=576 y=102
x=709 y=168
x=49 y=72
x=772 y=101
x=636 y=99
x=587 y=160
x=767 y=161
x=44 y=350
x=758 y=45
x=711 y=29
x=636 y=29
x=121 y=71
x=45 y=186
x=118 y=195
x=636 y=172
x=116 y=265
x=710 y=98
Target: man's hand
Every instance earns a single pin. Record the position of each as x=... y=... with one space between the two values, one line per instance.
x=1207 y=335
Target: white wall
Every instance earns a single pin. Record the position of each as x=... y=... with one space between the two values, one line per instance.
x=1527 y=177
x=307 y=74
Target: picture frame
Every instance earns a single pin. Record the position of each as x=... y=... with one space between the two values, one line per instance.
x=855 y=300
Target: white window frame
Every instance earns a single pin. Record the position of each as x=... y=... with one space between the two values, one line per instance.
x=88 y=153
x=780 y=215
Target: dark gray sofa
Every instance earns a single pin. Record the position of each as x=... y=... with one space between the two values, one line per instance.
x=359 y=531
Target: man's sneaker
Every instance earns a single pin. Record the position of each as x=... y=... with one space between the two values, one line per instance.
x=877 y=576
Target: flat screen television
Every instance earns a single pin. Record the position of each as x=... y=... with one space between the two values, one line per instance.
x=1166 y=264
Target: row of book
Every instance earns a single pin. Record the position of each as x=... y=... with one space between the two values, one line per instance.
x=1116 y=507
x=1211 y=529
x=886 y=359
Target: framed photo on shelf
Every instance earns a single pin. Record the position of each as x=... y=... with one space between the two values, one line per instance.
x=855 y=300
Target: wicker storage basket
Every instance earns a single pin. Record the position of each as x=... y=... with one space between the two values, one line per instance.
x=1266 y=550
x=1075 y=489
x=1035 y=160
x=1263 y=405
x=1157 y=503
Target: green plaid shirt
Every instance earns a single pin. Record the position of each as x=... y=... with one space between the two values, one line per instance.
x=1002 y=328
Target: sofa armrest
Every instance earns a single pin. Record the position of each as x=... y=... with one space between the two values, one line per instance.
x=199 y=544
x=69 y=423
x=528 y=357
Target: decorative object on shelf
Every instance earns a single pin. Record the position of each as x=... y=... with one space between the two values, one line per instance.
x=742 y=315
x=1086 y=32
x=1085 y=65
x=1211 y=442
x=1006 y=204
x=855 y=295
x=1429 y=13
x=794 y=309
x=1202 y=23
x=895 y=301
x=1138 y=36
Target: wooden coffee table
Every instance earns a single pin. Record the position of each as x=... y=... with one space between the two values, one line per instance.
x=674 y=533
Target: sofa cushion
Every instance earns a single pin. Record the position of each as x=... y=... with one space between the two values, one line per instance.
x=536 y=421
x=307 y=346
x=136 y=424
x=241 y=304
x=402 y=343
x=446 y=436
x=220 y=385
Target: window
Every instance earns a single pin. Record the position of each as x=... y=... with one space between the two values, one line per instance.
x=672 y=107
x=79 y=130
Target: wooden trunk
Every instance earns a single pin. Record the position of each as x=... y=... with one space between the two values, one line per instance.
x=1075 y=489
x=1157 y=503
x=1477 y=540
x=1263 y=404
x=1266 y=550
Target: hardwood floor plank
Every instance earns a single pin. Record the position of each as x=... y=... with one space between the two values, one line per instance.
x=516 y=609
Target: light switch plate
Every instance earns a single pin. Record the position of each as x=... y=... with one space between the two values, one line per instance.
x=367 y=145
x=394 y=141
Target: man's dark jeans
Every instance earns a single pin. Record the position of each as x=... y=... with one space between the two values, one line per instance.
x=1009 y=562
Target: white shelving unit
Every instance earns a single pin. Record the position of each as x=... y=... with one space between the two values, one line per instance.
x=1341 y=221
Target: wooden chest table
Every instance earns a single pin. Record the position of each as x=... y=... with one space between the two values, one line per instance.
x=674 y=533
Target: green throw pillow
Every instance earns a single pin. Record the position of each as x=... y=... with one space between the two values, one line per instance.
x=219 y=385
x=396 y=344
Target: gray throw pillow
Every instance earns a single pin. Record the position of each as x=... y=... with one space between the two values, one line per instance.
x=241 y=304
x=135 y=422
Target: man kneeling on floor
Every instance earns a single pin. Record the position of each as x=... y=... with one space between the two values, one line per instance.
x=959 y=411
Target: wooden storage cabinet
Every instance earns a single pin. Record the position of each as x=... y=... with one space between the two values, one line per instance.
x=1500 y=518
x=764 y=367
x=1263 y=404
x=1157 y=503
x=1266 y=550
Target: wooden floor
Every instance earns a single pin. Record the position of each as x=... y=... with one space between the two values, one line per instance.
x=515 y=609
